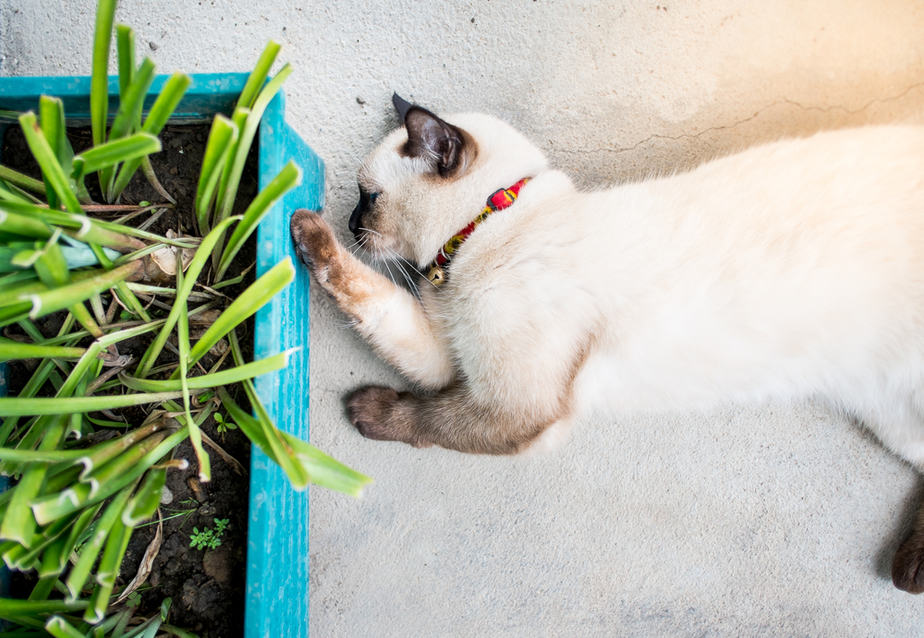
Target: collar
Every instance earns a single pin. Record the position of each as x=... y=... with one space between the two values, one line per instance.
x=499 y=200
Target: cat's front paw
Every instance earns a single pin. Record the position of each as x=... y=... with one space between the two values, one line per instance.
x=315 y=243
x=908 y=565
x=382 y=414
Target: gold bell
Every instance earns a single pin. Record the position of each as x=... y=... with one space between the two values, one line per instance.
x=437 y=276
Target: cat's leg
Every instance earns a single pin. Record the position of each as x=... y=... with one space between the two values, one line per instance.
x=908 y=563
x=389 y=317
x=898 y=421
x=451 y=418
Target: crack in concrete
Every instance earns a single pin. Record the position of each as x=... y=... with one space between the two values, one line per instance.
x=757 y=113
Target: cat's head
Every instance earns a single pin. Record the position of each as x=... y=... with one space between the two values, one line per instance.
x=431 y=177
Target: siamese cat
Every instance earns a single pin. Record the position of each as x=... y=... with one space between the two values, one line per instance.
x=789 y=270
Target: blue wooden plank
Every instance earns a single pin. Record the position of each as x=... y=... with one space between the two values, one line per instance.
x=277 y=546
x=208 y=94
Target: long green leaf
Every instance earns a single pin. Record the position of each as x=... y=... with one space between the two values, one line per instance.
x=261 y=431
x=195 y=435
x=51 y=267
x=239 y=118
x=11 y=350
x=326 y=471
x=146 y=499
x=168 y=99
x=280 y=450
x=321 y=469
x=15 y=406
x=91 y=549
x=125 y=48
x=51 y=119
x=107 y=480
x=18 y=523
x=100 y=454
x=163 y=107
x=107 y=571
x=99 y=79
x=131 y=104
x=39 y=456
x=37 y=221
x=289 y=177
x=50 y=300
x=56 y=555
x=24 y=225
x=12 y=607
x=100 y=485
x=47 y=160
x=192 y=273
x=257 y=77
x=21 y=180
x=214 y=379
x=114 y=152
x=228 y=192
x=247 y=303
x=128 y=115
x=221 y=141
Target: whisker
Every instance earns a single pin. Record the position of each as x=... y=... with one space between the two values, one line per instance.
x=390 y=274
x=407 y=277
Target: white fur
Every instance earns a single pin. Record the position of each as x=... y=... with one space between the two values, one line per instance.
x=788 y=270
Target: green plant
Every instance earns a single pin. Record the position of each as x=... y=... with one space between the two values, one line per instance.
x=223 y=425
x=209 y=537
x=75 y=289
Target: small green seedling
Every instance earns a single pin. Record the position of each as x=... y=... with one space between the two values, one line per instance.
x=208 y=538
x=222 y=425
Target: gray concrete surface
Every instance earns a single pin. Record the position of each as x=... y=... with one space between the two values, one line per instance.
x=772 y=520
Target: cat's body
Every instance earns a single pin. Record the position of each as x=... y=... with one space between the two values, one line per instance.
x=789 y=270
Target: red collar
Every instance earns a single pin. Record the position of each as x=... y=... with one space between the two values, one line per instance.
x=499 y=200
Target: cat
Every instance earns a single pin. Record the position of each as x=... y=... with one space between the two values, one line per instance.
x=789 y=270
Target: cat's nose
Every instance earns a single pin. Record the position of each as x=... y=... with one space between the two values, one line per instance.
x=356 y=219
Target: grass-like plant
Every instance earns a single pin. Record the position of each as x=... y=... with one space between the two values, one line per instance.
x=73 y=506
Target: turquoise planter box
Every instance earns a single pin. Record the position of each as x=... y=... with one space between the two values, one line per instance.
x=277 y=537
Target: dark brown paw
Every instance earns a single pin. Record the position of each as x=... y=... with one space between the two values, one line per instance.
x=369 y=410
x=314 y=240
x=379 y=413
x=908 y=564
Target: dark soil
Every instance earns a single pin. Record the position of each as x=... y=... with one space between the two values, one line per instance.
x=206 y=585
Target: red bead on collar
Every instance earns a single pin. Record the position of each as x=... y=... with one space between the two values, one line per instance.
x=499 y=200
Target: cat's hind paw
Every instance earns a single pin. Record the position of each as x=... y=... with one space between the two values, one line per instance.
x=382 y=414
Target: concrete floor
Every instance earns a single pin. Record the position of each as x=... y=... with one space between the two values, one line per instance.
x=760 y=521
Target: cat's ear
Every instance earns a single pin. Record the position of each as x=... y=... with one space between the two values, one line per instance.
x=431 y=138
x=401 y=105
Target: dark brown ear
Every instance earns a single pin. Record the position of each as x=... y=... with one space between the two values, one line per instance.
x=401 y=105
x=431 y=138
